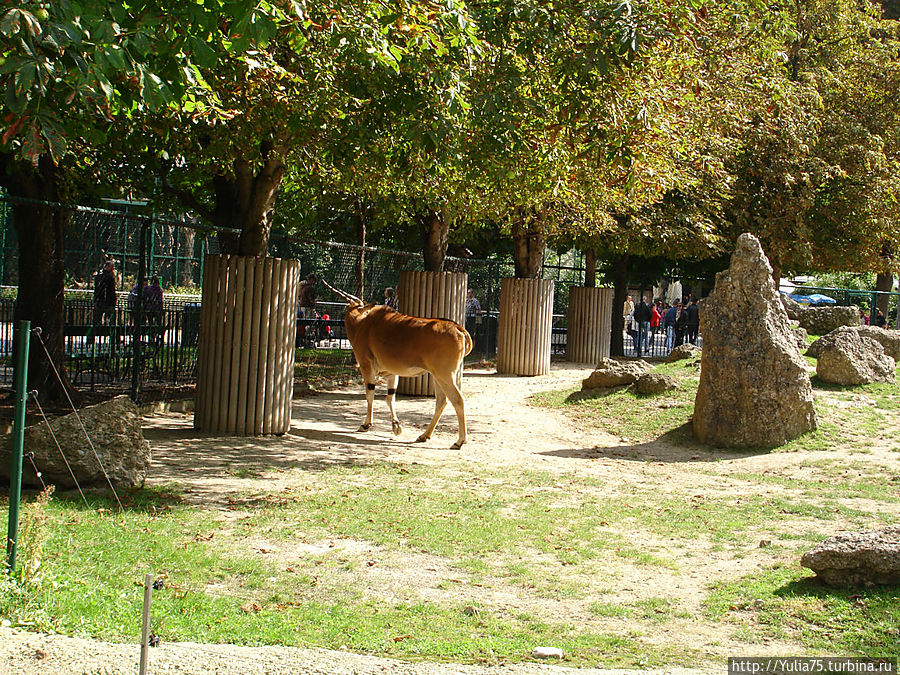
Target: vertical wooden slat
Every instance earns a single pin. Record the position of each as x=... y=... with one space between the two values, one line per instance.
x=219 y=346
x=271 y=355
x=201 y=412
x=233 y=340
x=263 y=363
x=274 y=413
x=253 y=353
x=246 y=327
x=229 y=393
x=292 y=291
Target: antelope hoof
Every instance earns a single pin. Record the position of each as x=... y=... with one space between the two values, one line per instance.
x=422 y=438
x=396 y=428
x=364 y=427
x=457 y=445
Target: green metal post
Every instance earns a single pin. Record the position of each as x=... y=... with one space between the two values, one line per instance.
x=18 y=443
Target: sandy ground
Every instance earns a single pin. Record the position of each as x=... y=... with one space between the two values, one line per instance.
x=503 y=430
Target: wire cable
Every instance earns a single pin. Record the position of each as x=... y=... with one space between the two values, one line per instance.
x=37 y=331
x=59 y=447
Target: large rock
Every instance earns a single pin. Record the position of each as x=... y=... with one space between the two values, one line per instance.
x=114 y=428
x=793 y=308
x=857 y=558
x=612 y=373
x=653 y=383
x=683 y=351
x=889 y=339
x=801 y=336
x=849 y=358
x=754 y=388
x=823 y=320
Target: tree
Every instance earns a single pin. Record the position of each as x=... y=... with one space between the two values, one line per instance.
x=816 y=160
x=68 y=71
x=311 y=99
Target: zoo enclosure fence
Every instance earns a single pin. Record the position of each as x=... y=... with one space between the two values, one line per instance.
x=163 y=344
x=146 y=350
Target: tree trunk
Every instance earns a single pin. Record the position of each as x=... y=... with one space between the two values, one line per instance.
x=529 y=237
x=361 y=240
x=436 y=236
x=776 y=273
x=245 y=202
x=590 y=269
x=884 y=282
x=621 y=269
x=41 y=274
x=185 y=275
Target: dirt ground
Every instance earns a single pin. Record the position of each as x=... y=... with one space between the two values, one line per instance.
x=504 y=430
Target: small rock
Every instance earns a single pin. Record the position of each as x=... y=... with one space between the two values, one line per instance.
x=857 y=558
x=612 y=373
x=683 y=351
x=653 y=383
x=547 y=653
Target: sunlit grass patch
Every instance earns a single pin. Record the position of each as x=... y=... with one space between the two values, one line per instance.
x=637 y=418
x=786 y=603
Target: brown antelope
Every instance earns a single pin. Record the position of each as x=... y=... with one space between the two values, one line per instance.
x=390 y=344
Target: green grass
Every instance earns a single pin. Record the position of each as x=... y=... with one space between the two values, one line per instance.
x=554 y=538
x=95 y=558
x=638 y=418
x=665 y=416
x=786 y=603
x=324 y=365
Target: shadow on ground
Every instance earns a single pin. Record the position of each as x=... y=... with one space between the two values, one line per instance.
x=675 y=446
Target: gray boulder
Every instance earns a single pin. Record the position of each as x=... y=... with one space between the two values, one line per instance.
x=857 y=558
x=849 y=358
x=653 y=383
x=801 y=336
x=823 y=320
x=114 y=428
x=754 y=387
x=612 y=373
x=889 y=339
x=793 y=308
x=683 y=351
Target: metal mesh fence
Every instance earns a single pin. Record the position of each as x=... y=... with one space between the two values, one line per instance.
x=175 y=248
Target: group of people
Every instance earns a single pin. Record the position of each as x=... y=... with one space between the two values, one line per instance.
x=680 y=322
x=105 y=283
x=880 y=319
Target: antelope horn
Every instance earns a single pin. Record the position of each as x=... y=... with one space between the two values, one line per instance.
x=343 y=294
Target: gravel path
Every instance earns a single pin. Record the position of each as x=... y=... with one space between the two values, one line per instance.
x=23 y=653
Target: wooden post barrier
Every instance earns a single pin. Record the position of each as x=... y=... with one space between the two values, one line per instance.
x=246 y=349
x=525 y=326
x=430 y=295
x=589 y=325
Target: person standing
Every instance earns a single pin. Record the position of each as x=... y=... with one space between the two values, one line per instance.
x=628 y=316
x=105 y=294
x=473 y=311
x=669 y=322
x=153 y=301
x=308 y=297
x=655 y=318
x=390 y=298
x=692 y=323
x=642 y=315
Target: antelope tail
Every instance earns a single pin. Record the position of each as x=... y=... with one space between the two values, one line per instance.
x=469 y=343
x=346 y=296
